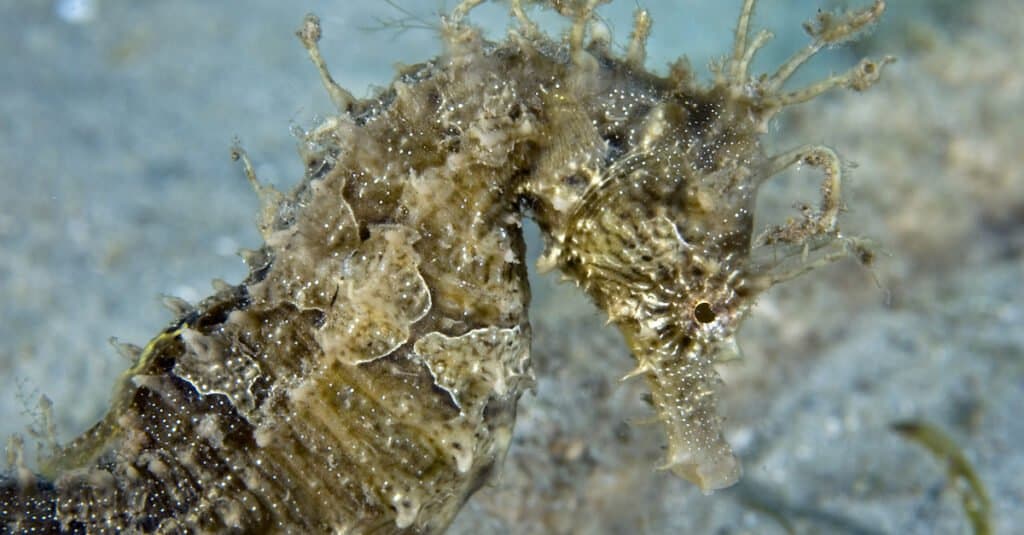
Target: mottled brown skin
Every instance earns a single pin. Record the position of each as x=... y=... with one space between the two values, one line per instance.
x=364 y=377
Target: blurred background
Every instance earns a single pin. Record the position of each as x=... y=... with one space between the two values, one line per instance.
x=116 y=187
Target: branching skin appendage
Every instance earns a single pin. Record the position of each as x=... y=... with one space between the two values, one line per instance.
x=364 y=377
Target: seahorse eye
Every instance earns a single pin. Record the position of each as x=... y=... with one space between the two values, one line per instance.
x=703 y=313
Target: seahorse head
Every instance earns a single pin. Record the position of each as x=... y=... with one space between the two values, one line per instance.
x=660 y=239
x=644 y=188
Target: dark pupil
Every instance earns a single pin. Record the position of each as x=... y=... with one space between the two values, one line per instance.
x=703 y=313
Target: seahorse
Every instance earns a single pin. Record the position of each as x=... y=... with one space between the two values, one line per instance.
x=364 y=377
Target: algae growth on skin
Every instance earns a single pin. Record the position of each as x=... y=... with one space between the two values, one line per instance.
x=364 y=376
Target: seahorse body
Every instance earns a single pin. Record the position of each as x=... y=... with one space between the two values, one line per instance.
x=364 y=377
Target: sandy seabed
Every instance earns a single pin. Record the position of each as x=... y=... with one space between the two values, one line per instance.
x=116 y=122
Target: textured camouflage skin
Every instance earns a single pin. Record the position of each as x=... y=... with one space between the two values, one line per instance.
x=364 y=377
